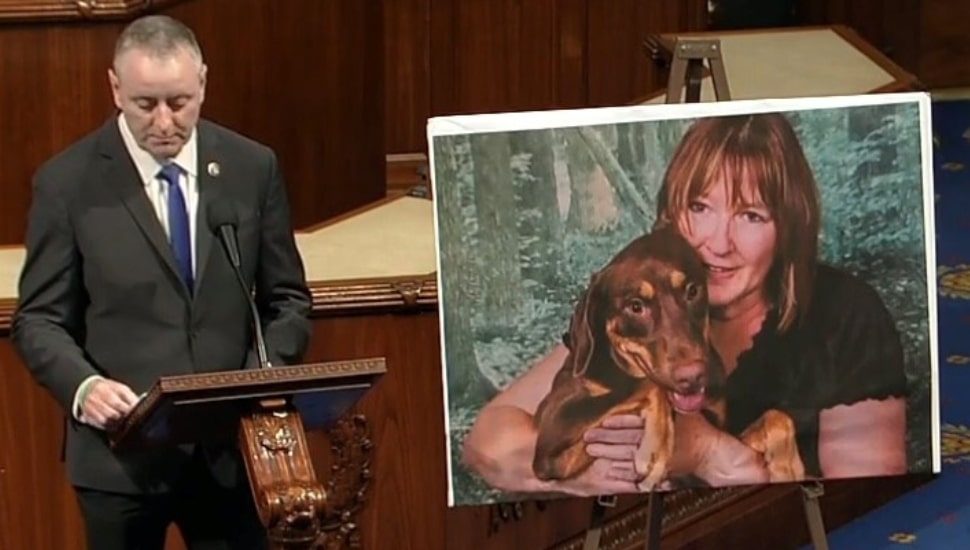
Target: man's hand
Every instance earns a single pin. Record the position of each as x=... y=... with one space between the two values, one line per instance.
x=106 y=404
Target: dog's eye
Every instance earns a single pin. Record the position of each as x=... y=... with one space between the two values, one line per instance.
x=636 y=306
x=692 y=291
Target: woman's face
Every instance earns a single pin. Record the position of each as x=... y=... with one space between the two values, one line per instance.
x=737 y=241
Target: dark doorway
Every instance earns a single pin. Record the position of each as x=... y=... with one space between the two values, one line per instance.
x=750 y=14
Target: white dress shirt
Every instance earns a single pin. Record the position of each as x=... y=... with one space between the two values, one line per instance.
x=157 y=189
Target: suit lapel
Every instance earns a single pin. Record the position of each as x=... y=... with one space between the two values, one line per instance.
x=120 y=173
x=210 y=165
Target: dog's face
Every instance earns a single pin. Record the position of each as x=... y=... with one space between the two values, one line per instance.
x=648 y=308
x=643 y=319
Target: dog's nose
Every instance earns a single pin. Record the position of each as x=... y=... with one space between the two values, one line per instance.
x=690 y=378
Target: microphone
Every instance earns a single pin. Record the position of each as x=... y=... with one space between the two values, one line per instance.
x=223 y=222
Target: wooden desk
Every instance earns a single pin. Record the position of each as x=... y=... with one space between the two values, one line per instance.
x=375 y=294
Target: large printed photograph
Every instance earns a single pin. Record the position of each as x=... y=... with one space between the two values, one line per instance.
x=658 y=297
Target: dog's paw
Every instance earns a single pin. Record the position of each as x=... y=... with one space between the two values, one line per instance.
x=663 y=486
x=650 y=473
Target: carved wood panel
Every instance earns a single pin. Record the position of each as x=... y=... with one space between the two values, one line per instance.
x=20 y=10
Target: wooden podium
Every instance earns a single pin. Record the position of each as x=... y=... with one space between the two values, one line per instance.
x=267 y=412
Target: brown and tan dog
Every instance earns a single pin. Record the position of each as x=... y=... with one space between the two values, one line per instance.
x=638 y=342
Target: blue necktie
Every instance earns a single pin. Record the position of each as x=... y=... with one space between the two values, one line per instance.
x=178 y=223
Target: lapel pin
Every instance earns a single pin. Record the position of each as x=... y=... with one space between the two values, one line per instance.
x=213 y=169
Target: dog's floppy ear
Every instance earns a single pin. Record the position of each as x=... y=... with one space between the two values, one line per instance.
x=581 y=339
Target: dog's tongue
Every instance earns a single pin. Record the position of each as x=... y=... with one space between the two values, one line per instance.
x=688 y=403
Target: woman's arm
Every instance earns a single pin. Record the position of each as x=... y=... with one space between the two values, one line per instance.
x=717 y=457
x=862 y=424
x=501 y=443
x=867 y=438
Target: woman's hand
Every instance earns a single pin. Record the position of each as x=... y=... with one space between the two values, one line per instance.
x=720 y=459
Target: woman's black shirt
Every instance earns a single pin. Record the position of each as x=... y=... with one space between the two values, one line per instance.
x=844 y=350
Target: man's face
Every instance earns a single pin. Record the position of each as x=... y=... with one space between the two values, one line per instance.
x=160 y=98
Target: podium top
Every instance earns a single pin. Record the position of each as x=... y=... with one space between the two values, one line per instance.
x=207 y=406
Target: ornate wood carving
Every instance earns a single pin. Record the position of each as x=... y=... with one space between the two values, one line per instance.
x=338 y=298
x=378 y=295
x=350 y=475
x=263 y=407
x=629 y=529
x=45 y=10
x=290 y=500
x=509 y=512
x=6 y=314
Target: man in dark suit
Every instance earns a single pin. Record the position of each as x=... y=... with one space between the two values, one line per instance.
x=124 y=282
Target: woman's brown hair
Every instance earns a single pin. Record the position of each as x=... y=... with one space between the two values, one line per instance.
x=760 y=154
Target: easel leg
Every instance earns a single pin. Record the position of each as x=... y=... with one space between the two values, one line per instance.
x=595 y=530
x=687 y=70
x=655 y=513
x=813 y=514
x=655 y=516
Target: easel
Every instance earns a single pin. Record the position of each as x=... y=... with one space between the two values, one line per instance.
x=655 y=514
x=687 y=71
x=813 y=514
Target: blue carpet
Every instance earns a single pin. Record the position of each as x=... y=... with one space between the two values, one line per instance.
x=937 y=516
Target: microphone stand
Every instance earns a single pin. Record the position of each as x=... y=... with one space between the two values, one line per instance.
x=227 y=234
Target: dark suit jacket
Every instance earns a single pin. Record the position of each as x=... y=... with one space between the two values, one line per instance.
x=100 y=294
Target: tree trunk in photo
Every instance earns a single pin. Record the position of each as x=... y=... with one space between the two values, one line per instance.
x=467 y=386
x=592 y=202
x=629 y=150
x=498 y=242
x=622 y=185
x=541 y=222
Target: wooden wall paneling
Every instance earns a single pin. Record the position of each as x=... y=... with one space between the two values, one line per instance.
x=477 y=56
x=304 y=76
x=619 y=68
x=54 y=88
x=572 y=59
x=506 y=55
x=944 y=52
x=404 y=504
x=407 y=77
x=900 y=37
x=407 y=172
x=38 y=509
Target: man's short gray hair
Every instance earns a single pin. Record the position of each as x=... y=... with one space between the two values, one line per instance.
x=158 y=35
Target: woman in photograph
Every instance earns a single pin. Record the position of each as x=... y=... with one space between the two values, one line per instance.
x=794 y=334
